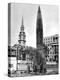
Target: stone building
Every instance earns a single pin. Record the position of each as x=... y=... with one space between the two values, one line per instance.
x=19 y=55
x=52 y=42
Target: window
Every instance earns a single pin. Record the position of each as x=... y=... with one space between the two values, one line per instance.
x=23 y=56
x=10 y=65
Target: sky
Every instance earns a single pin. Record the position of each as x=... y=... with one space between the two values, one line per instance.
x=29 y=12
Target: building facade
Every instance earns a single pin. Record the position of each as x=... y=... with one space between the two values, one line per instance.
x=19 y=59
x=52 y=42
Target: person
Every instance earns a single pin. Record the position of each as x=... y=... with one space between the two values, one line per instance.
x=28 y=69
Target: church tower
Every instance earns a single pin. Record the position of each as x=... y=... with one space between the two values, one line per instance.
x=39 y=29
x=22 y=35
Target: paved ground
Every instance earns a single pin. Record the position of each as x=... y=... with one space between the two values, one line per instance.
x=50 y=71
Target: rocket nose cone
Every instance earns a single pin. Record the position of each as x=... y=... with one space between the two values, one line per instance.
x=39 y=13
x=39 y=9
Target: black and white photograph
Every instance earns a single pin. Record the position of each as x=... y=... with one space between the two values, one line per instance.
x=33 y=39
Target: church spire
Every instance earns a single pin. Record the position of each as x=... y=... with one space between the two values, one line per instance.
x=22 y=35
x=22 y=25
x=22 y=20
